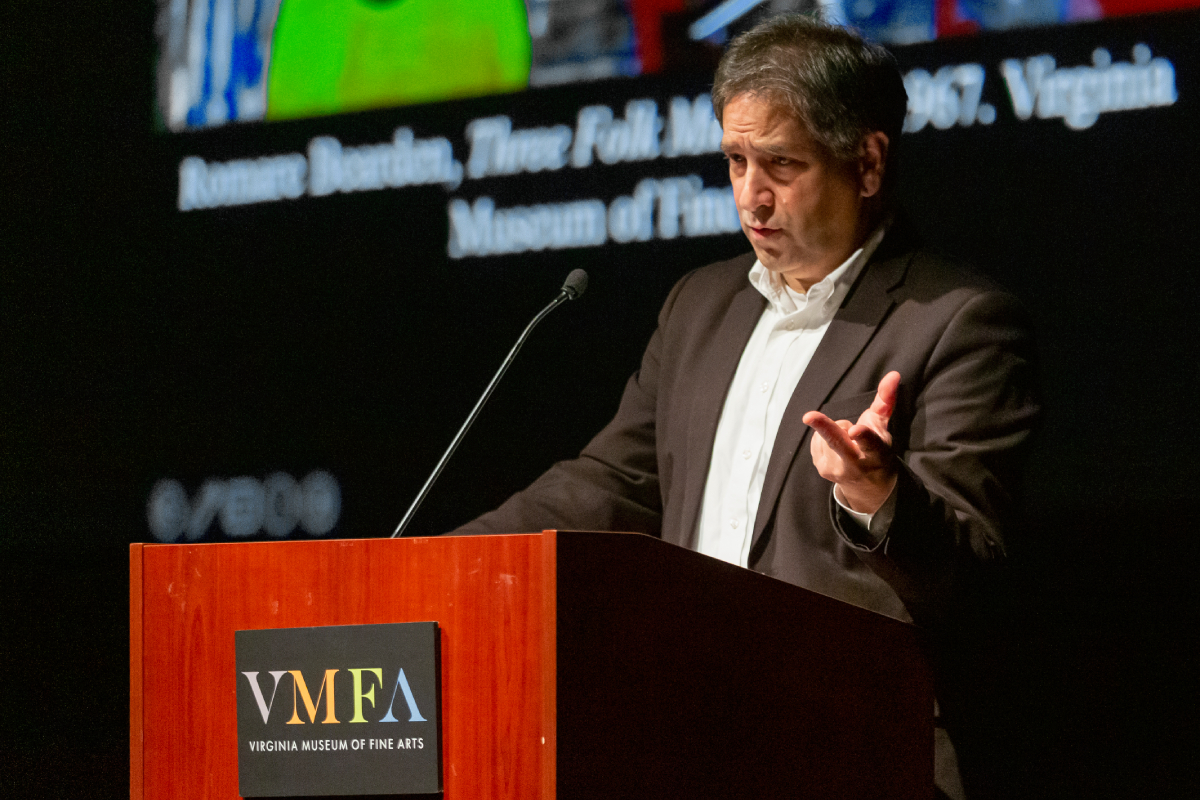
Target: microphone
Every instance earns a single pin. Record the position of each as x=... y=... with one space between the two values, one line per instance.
x=575 y=285
x=572 y=289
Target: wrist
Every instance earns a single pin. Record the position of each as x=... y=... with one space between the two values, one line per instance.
x=866 y=496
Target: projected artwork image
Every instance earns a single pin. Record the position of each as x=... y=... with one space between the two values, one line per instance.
x=223 y=61
x=227 y=60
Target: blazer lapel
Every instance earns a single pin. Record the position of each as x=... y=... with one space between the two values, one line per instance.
x=714 y=377
x=851 y=329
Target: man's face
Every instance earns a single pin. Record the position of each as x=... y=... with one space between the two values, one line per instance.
x=801 y=209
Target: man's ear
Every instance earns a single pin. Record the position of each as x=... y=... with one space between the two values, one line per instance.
x=872 y=161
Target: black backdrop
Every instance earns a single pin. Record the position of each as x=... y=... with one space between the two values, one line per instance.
x=333 y=333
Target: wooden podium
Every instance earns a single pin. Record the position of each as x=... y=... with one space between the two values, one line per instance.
x=574 y=665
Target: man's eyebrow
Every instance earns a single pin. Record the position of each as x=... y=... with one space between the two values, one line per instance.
x=774 y=149
x=769 y=149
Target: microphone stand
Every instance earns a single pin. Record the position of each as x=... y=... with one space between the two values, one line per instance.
x=574 y=286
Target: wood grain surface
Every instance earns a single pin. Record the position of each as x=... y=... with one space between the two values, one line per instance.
x=136 y=691
x=574 y=665
x=487 y=595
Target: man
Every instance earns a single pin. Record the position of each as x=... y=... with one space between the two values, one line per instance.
x=915 y=376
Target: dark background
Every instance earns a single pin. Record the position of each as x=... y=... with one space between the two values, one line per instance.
x=142 y=343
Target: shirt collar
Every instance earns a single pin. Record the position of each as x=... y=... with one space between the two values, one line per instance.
x=826 y=293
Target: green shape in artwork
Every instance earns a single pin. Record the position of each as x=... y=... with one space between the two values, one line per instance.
x=330 y=56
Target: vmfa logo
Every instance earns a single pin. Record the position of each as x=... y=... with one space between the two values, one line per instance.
x=364 y=682
x=339 y=710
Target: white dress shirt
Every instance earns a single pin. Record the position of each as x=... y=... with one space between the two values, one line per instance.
x=777 y=354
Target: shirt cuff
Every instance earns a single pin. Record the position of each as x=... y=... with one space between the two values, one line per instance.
x=863 y=520
x=860 y=531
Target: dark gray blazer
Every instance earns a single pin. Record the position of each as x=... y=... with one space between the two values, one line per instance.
x=966 y=407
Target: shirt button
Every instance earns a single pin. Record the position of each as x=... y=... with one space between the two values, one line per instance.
x=733 y=523
x=791 y=326
x=746 y=454
x=764 y=387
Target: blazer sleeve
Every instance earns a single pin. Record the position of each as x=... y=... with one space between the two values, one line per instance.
x=954 y=504
x=614 y=483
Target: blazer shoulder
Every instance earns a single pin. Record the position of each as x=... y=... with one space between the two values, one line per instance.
x=731 y=272
x=708 y=286
x=930 y=275
x=907 y=265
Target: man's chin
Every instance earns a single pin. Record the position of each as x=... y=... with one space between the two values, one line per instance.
x=769 y=257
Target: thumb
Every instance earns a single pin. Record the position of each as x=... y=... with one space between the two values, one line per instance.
x=885 y=397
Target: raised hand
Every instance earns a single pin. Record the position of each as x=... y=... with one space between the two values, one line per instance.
x=858 y=457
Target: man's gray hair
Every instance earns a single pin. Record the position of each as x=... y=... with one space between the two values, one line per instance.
x=837 y=85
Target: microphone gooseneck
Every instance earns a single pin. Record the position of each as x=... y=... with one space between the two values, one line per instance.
x=573 y=288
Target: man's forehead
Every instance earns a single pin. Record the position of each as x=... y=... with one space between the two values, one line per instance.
x=750 y=120
x=765 y=104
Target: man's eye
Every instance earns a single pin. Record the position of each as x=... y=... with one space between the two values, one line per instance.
x=783 y=161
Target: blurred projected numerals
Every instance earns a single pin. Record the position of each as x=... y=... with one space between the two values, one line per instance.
x=244 y=506
x=948 y=97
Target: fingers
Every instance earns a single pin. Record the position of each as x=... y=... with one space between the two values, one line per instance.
x=868 y=439
x=834 y=434
x=857 y=458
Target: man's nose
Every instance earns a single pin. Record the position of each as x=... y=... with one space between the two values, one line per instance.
x=755 y=195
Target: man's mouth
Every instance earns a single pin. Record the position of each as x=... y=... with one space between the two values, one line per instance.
x=764 y=232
